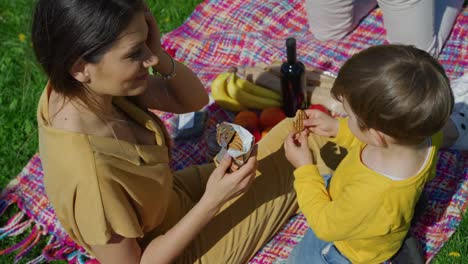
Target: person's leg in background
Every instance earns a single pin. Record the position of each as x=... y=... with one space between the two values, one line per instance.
x=425 y=24
x=456 y=130
x=333 y=19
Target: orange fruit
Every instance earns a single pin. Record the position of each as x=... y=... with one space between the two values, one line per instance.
x=247 y=119
x=271 y=116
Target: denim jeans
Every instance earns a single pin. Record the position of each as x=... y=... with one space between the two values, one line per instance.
x=312 y=250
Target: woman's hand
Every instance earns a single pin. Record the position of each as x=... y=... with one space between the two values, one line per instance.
x=321 y=124
x=154 y=36
x=222 y=186
x=297 y=149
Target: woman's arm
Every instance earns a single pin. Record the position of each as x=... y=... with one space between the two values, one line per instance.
x=166 y=248
x=119 y=250
x=182 y=93
x=220 y=188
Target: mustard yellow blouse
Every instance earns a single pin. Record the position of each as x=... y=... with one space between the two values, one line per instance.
x=99 y=186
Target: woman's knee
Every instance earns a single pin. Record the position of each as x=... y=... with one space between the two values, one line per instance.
x=334 y=19
x=329 y=20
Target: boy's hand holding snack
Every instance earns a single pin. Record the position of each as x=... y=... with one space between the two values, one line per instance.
x=296 y=144
x=297 y=149
x=321 y=123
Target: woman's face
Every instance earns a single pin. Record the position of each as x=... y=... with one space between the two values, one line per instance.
x=123 y=69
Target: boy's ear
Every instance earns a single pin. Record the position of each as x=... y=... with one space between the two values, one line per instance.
x=80 y=71
x=379 y=138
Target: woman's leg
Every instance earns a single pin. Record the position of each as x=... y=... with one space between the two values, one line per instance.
x=246 y=223
x=425 y=24
x=333 y=19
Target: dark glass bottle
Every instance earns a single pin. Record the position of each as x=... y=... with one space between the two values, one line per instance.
x=292 y=80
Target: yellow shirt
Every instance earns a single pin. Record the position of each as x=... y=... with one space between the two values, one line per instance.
x=100 y=186
x=365 y=214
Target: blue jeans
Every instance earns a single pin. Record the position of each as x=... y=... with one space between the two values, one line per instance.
x=313 y=250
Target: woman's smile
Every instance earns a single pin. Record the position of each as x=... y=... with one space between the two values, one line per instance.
x=142 y=77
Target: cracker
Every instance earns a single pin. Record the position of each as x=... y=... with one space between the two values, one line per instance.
x=231 y=138
x=236 y=143
x=298 y=122
x=224 y=134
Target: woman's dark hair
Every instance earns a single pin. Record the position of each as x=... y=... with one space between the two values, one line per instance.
x=64 y=31
x=399 y=90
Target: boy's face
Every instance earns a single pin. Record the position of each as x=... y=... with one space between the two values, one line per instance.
x=362 y=135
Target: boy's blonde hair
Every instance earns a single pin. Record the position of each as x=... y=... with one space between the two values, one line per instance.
x=399 y=90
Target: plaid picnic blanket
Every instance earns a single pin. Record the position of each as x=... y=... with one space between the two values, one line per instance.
x=224 y=33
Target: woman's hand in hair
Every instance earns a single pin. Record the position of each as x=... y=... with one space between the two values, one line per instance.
x=154 y=36
x=170 y=95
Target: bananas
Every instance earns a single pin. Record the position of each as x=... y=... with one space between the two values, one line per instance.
x=219 y=93
x=237 y=94
x=258 y=90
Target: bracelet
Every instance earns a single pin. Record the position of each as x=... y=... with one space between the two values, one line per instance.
x=166 y=76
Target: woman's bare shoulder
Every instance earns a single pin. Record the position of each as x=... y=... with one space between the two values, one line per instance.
x=69 y=116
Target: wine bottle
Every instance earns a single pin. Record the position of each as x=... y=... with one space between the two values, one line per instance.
x=292 y=80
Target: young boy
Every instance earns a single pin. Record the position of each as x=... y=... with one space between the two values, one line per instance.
x=398 y=99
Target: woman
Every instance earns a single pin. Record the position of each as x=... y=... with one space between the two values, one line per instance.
x=106 y=158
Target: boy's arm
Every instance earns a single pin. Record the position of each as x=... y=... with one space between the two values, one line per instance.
x=344 y=137
x=339 y=219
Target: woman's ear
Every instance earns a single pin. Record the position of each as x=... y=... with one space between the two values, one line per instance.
x=80 y=71
x=378 y=138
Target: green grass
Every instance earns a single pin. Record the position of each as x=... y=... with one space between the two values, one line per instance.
x=21 y=82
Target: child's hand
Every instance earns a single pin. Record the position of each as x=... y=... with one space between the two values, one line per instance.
x=297 y=149
x=321 y=124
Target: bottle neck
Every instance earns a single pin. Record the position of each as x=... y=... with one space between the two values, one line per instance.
x=291 y=50
x=291 y=56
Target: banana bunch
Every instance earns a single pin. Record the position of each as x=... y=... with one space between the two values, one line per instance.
x=237 y=94
x=220 y=95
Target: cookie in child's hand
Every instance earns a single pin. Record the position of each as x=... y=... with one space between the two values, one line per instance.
x=298 y=122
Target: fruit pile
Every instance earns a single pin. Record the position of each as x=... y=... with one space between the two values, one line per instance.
x=259 y=108
x=259 y=123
